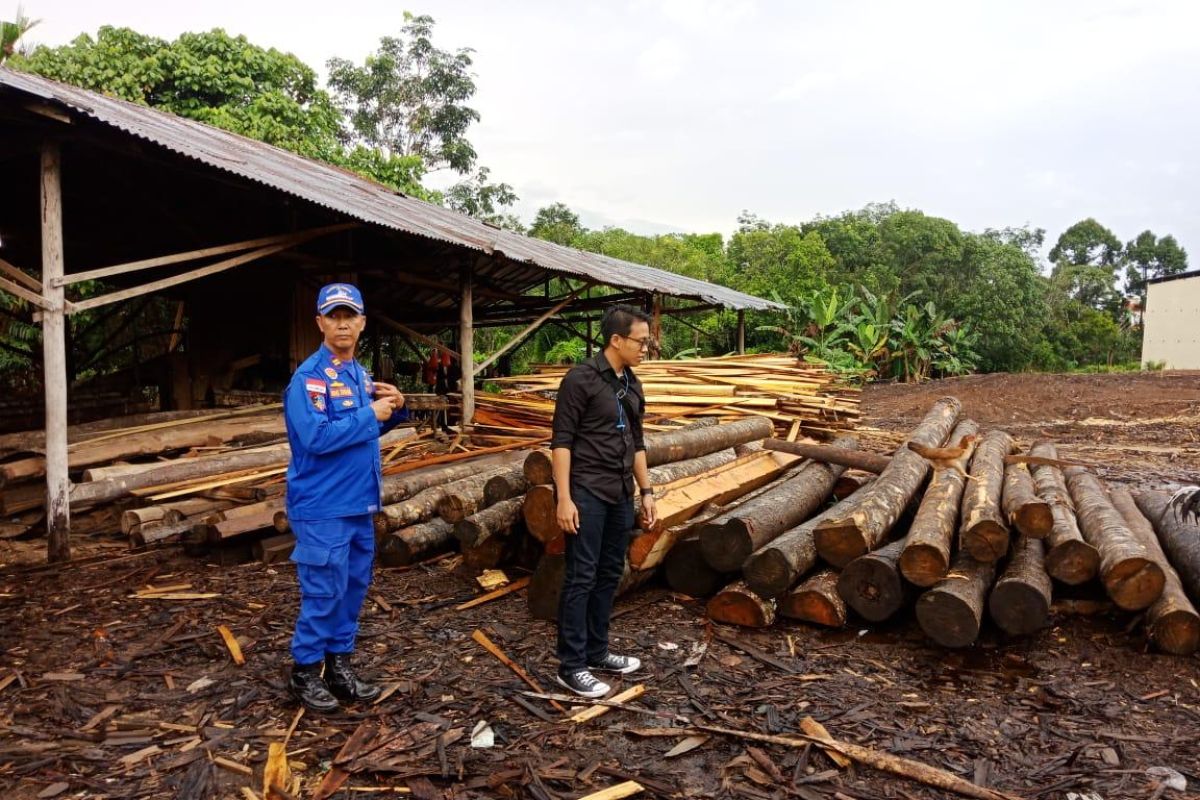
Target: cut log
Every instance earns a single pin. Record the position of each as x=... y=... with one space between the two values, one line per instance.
x=1069 y=558
x=728 y=540
x=538 y=469
x=274 y=549
x=840 y=540
x=465 y=496
x=1179 y=537
x=152 y=532
x=1020 y=600
x=926 y=556
x=1172 y=623
x=951 y=613
x=415 y=543
x=488 y=554
x=179 y=510
x=540 y=511
x=406 y=484
x=816 y=600
x=832 y=454
x=135 y=518
x=504 y=486
x=686 y=571
x=283 y=526
x=693 y=442
x=423 y=506
x=872 y=585
x=1131 y=577
x=1027 y=512
x=984 y=532
x=737 y=605
x=775 y=567
x=493 y=522
x=677 y=471
x=238 y=522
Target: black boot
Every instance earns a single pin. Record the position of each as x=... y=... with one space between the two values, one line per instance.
x=307 y=686
x=344 y=683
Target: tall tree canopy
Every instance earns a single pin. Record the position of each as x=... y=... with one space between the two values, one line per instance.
x=1148 y=257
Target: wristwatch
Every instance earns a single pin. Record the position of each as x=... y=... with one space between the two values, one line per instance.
x=647 y=491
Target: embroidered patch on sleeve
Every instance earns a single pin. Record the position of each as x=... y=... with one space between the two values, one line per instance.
x=318 y=400
x=316 y=385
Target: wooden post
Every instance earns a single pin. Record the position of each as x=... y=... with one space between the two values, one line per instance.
x=656 y=327
x=54 y=344
x=466 y=348
x=741 y=332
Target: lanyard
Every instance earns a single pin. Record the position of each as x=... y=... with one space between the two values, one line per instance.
x=621 y=393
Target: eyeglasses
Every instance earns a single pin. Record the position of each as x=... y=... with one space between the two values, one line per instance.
x=643 y=344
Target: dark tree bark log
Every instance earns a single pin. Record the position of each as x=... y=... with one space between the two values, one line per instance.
x=774 y=568
x=951 y=613
x=494 y=522
x=839 y=541
x=422 y=506
x=465 y=496
x=728 y=540
x=668 y=473
x=406 y=484
x=1171 y=621
x=1020 y=600
x=1131 y=577
x=670 y=446
x=926 y=556
x=871 y=584
x=416 y=542
x=1069 y=559
x=539 y=508
x=737 y=605
x=816 y=600
x=504 y=486
x=832 y=454
x=984 y=532
x=1027 y=512
x=488 y=554
x=687 y=572
x=1179 y=537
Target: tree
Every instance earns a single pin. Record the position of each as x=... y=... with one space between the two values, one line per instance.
x=1085 y=263
x=409 y=99
x=556 y=223
x=12 y=32
x=1148 y=257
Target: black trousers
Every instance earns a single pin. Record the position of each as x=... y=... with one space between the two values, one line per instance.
x=595 y=562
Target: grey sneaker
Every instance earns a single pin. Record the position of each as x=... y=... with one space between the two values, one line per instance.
x=622 y=665
x=584 y=683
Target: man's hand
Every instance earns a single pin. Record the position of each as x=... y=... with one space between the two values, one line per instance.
x=567 y=515
x=649 y=512
x=383 y=390
x=383 y=408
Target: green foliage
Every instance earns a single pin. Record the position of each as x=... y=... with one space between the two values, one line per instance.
x=11 y=33
x=1148 y=257
x=556 y=223
x=1087 y=242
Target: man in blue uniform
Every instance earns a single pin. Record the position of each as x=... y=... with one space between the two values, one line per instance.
x=335 y=415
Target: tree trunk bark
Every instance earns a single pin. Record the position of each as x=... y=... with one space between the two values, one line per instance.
x=420 y=507
x=1020 y=600
x=1179 y=538
x=951 y=613
x=816 y=600
x=1131 y=577
x=737 y=605
x=832 y=454
x=1069 y=558
x=406 y=484
x=689 y=442
x=728 y=540
x=465 y=496
x=688 y=573
x=416 y=542
x=504 y=486
x=984 y=533
x=677 y=471
x=926 y=556
x=1171 y=621
x=774 y=568
x=1027 y=512
x=491 y=523
x=840 y=540
x=871 y=584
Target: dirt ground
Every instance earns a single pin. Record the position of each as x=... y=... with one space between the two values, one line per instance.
x=1083 y=709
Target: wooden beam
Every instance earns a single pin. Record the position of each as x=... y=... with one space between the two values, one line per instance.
x=21 y=276
x=202 y=272
x=54 y=345
x=191 y=255
x=530 y=328
x=741 y=332
x=466 y=348
x=12 y=287
x=407 y=331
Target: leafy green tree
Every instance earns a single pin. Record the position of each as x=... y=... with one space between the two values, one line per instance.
x=782 y=259
x=1148 y=256
x=409 y=99
x=557 y=223
x=12 y=32
x=1087 y=242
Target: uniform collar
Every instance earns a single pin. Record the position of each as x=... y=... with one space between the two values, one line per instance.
x=327 y=357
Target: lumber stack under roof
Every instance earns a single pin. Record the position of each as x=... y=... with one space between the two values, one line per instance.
x=778 y=387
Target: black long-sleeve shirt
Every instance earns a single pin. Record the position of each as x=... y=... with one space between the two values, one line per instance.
x=586 y=418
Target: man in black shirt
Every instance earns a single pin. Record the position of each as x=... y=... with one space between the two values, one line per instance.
x=598 y=450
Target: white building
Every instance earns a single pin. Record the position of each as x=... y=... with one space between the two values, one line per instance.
x=1172 y=321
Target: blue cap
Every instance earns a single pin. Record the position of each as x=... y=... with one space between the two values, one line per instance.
x=339 y=294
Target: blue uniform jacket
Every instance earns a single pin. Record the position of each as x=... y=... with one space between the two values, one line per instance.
x=335 y=469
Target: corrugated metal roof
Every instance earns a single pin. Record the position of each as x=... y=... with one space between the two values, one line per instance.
x=347 y=193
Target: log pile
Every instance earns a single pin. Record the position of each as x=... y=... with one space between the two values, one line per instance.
x=777 y=387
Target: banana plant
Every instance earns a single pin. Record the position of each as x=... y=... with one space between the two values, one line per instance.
x=11 y=33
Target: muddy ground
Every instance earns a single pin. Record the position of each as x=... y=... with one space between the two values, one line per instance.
x=146 y=710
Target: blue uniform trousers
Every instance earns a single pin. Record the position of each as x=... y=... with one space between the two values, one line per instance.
x=333 y=562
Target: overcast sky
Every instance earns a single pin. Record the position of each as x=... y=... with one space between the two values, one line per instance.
x=662 y=115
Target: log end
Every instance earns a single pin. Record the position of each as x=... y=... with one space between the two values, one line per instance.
x=1135 y=583
x=947 y=619
x=923 y=564
x=987 y=541
x=840 y=541
x=768 y=573
x=1034 y=520
x=872 y=588
x=815 y=601
x=1073 y=562
x=1176 y=632
x=739 y=606
x=640 y=546
x=725 y=547
x=539 y=510
x=1018 y=608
